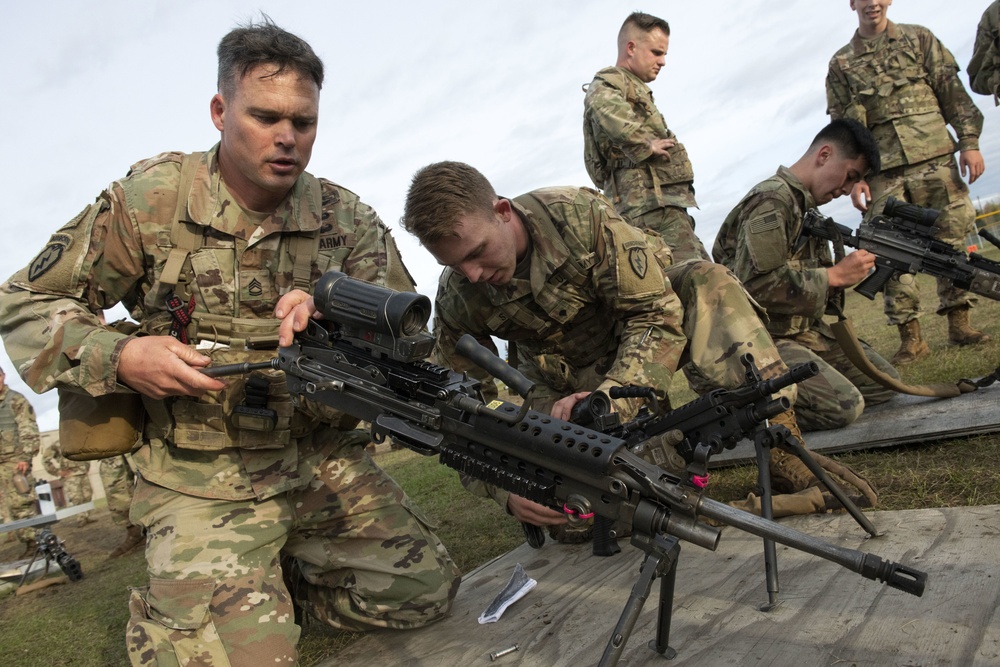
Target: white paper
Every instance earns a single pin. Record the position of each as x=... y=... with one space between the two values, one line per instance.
x=518 y=586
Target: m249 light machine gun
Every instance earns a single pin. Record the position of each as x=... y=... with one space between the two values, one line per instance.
x=370 y=363
x=902 y=240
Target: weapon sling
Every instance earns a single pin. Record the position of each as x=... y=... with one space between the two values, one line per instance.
x=843 y=330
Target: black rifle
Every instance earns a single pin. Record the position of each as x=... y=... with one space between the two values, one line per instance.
x=902 y=240
x=371 y=364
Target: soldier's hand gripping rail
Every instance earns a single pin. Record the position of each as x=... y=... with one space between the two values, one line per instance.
x=370 y=363
x=902 y=239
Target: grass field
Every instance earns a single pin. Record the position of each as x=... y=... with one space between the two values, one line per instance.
x=82 y=624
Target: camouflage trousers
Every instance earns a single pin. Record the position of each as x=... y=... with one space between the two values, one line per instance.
x=937 y=184
x=362 y=557
x=722 y=323
x=13 y=505
x=118 y=480
x=76 y=487
x=676 y=227
x=837 y=395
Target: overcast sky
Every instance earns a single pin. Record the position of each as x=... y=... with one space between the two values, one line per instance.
x=93 y=87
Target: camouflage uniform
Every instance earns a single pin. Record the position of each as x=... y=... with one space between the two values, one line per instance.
x=223 y=505
x=597 y=304
x=118 y=481
x=76 y=483
x=984 y=68
x=19 y=441
x=619 y=120
x=759 y=241
x=904 y=86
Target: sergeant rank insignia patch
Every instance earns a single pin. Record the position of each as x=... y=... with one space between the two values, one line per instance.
x=49 y=256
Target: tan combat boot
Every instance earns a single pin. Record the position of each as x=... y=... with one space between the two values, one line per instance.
x=912 y=347
x=790 y=475
x=134 y=536
x=960 y=332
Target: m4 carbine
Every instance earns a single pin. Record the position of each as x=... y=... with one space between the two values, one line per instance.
x=902 y=240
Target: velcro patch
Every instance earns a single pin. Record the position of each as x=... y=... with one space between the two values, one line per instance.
x=638 y=271
x=764 y=223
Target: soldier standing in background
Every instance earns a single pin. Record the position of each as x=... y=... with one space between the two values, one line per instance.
x=903 y=84
x=19 y=443
x=75 y=476
x=249 y=510
x=119 y=480
x=794 y=277
x=628 y=150
x=984 y=68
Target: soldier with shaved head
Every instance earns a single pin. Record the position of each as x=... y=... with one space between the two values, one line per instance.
x=629 y=151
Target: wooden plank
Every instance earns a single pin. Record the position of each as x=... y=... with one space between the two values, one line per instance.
x=903 y=420
x=828 y=615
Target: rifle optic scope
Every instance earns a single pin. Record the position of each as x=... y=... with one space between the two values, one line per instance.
x=354 y=302
x=925 y=217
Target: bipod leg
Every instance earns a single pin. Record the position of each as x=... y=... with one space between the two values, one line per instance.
x=660 y=561
x=762 y=446
x=34 y=557
x=798 y=450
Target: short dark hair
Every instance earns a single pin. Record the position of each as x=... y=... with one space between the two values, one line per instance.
x=643 y=22
x=264 y=43
x=852 y=139
x=440 y=194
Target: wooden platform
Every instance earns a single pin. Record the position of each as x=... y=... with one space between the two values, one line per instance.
x=903 y=420
x=829 y=615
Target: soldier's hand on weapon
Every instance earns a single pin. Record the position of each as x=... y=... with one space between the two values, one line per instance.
x=160 y=366
x=851 y=270
x=562 y=408
x=659 y=147
x=861 y=196
x=23 y=466
x=527 y=511
x=972 y=164
x=294 y=310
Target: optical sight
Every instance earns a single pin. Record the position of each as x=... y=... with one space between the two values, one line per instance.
x=378 y=318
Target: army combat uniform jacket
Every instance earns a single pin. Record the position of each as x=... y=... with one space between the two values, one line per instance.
x=589 y=301
x=118 y=250
x=904 y=86
x=619 y=121
x=758 y=242
x=19 y=441
x=984 y=68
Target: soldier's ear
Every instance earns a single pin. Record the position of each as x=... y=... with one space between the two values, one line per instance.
x=824 y=154
x=217 y=107
x=503 y=208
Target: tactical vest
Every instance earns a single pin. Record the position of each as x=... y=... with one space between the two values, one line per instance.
x=10 y=435
x=901 y=89
x=207 y=423
x=602 y=164
x=560 y=302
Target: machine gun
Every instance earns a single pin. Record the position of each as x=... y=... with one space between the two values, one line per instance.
x=371 y=364
x=902 y=239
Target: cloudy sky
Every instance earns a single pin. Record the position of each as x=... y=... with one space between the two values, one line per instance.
x=94 y=86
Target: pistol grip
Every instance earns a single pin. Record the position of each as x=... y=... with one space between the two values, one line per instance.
x=875 y=283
